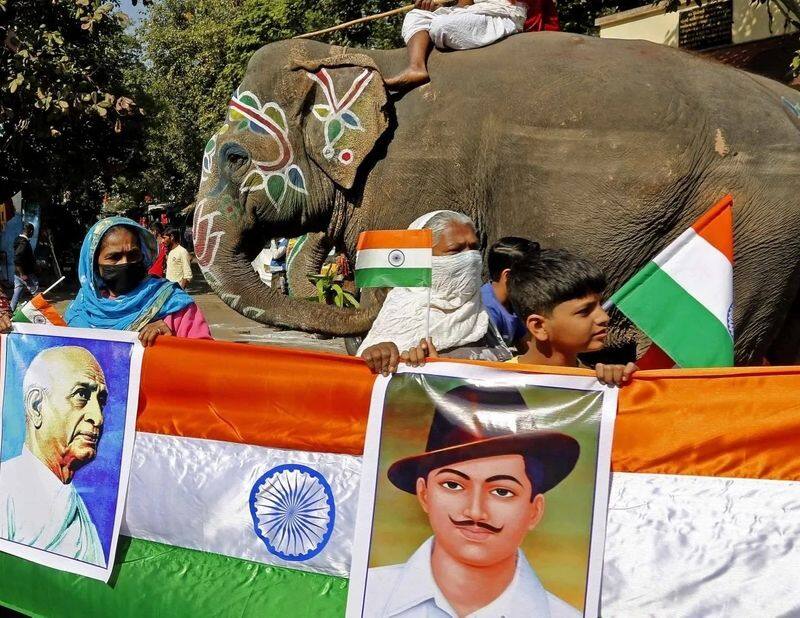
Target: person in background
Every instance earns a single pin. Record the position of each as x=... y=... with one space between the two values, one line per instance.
x=160 y=263
x=277 y=265
x=179 y=262
x=503 y=255
x=24 y=266
x=459 y=324
x=117 y=293
x=558 y=296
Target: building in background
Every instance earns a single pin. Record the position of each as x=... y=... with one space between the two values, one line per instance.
x=747 y=35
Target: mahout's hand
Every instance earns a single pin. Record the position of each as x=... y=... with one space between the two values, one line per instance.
x=426 y=5
x=615 y=375
x=149 y=333
x=382 y=357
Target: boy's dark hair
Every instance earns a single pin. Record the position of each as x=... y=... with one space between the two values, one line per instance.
x=554 y=276
x=29 y=229
x=157 y=229
x=508 y=251
x=174 y=234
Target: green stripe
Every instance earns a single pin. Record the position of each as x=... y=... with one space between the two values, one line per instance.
x=19 y=316
x=393 y=278
x=151 y=579
x=675 y=320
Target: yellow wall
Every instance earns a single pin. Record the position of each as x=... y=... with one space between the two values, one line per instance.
x=750 y=23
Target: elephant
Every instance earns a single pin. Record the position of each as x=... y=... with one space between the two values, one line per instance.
x=607 y=148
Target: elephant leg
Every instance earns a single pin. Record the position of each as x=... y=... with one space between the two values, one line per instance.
x=306 y=259
x=785 y=348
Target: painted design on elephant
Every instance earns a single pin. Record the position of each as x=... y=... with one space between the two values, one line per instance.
x=253 y=312
x=792 y=109
x=206 y=239
x=336 y=114
x=275 y=177
x=210 y=153
x=232 y=300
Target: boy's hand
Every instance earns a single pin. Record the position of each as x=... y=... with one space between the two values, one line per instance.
x=416 y=356
x=425 y=5
x=382 y=358
x=615 y=375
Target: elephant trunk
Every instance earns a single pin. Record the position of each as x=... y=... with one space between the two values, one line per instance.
x=306 y=260
x=230 y=274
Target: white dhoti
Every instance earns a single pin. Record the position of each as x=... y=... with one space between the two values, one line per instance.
x=467 y=27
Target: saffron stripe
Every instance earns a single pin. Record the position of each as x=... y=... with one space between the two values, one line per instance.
x=395 y=239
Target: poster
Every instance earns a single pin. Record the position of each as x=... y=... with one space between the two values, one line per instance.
x=484 y=493
x=69 y=402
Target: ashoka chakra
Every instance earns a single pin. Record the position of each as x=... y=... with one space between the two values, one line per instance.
x=293 y=511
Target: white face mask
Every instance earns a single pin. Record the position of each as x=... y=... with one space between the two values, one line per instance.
x=456 y=278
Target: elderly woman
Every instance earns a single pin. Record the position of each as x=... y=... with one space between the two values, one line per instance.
x=117 y=293
x=459 y=324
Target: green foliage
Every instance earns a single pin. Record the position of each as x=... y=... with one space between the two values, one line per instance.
x=196 y=52
x=67 y=118
x=330 y=292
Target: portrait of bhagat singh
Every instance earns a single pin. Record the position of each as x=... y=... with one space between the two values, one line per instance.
x=64 y=394
x=481 y=482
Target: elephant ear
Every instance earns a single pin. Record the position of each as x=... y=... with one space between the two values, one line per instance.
x=344 y=114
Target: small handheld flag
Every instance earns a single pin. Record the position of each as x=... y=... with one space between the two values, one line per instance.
x=683 y=298
x=394 y=258
x=38 y=311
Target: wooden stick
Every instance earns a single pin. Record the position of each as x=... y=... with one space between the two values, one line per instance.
x=363 y=20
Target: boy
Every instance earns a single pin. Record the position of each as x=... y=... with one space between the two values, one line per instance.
x=558 y=297
x=503 y=255
x=470 y=24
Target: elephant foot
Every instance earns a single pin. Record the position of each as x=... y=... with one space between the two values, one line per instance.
x=407 y=80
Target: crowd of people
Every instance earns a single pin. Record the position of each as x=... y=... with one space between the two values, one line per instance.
x=131 y=278
x=540 y=306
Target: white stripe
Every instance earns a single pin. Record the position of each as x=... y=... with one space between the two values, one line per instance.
x=701 y=546
x=379 y=258
x=196 y=493
x=702 y=270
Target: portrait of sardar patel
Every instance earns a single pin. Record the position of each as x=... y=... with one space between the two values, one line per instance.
x=481 y=482
x=64 y=394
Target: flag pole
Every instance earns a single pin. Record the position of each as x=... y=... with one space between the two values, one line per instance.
x=54 y=285
x=428 y=318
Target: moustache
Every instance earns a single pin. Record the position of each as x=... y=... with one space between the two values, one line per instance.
x=468 y=523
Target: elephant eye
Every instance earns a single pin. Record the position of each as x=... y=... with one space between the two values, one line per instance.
x=235 y=157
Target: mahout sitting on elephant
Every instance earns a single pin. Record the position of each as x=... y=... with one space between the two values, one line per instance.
x=468 y=25
x=607 y=148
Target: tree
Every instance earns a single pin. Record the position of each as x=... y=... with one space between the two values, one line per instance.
x=65 y=110
x=196 y=52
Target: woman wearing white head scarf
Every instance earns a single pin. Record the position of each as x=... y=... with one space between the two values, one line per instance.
x=459 y=324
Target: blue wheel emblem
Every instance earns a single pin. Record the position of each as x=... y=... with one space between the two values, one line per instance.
x=293 y=511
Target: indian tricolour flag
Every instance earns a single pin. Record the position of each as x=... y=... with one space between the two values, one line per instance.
x=247 y=462
x=38 y=311
x=394 y=258
x=683 y=298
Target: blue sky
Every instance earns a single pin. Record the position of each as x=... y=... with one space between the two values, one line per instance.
x=134 y=12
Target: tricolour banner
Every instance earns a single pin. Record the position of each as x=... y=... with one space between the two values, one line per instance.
x=394 y=258
x=702 y=519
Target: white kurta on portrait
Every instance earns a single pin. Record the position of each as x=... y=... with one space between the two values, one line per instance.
x=409 y=591
x=38 y=510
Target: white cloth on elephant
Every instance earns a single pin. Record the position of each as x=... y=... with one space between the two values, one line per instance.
x=467 y=27
x=38 y=510
x=457 y=315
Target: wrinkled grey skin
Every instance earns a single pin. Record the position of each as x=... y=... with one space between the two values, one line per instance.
x=608 y=148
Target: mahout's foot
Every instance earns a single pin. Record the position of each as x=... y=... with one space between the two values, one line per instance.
x=408 y=79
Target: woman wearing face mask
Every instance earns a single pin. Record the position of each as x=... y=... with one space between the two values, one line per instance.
x=459 y=324
x=117 y=293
